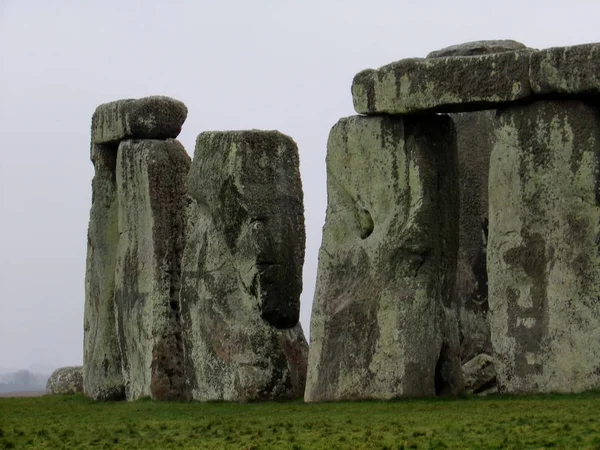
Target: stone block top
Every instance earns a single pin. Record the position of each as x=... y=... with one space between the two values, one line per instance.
x=566 y=70
x=478 y=48
x=450 y=84
x=477 y=75
x=155 y=117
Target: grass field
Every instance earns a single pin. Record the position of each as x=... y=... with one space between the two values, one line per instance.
x=73 y=422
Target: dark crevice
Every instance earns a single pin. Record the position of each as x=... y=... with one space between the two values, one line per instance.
x=365 y=222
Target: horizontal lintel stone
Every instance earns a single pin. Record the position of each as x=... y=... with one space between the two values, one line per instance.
x=566 y=70
x=449 y=84
x=155 y=117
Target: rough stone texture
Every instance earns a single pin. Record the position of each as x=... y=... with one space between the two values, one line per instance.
x=475 y=132
x=566 y=70
x=382 y=322
x=478 y=48
x=480 y=374
x=490 y=391
x=102 y=370
x=155 y=117
x=452 y=84
x=151 y=190
x=242 y=268
x=66 y=380
x=543 y=265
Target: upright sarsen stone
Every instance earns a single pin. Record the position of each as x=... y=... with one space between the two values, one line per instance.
x=382 y=323
x=543 y=263
x=132 y=334
x=102 y=365
x=151 y=190
x=242 y=268
x=475 y=134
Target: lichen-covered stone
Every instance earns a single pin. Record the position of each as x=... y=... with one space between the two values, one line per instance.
x=480 y=374
x=566 y=70
x=478 y=48
x=155 y=117
x=242 y=268
x=102 y=369
x=66 y=380
x=474 y=132
x=543 y=265
x=151 y=191
x=382 y=323
x=453 y=84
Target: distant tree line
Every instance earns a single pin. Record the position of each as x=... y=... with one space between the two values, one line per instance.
x=22 y=380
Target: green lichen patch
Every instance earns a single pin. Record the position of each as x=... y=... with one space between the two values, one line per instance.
x=448 y=84
x=380 y=322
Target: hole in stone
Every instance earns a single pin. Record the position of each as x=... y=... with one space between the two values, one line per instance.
x=365 y=222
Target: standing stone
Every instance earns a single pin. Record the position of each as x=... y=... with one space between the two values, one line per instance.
x=242 y=268
x=543 y=264
x=135 y=238
x=151 y=192
x=474 y=132
x=382 y=322
x=102 y=365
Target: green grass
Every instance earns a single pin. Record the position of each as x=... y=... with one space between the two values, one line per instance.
x=494 y=422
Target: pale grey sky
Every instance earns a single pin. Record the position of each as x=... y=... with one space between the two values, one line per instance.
x=277 y=64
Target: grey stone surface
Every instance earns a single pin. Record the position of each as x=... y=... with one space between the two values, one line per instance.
x=155 y=117
x=454 y=84
x=382 y=323
x=543 y=265
x=566 y=70
x=475 y=132
x=491 y=391
x=102 y=369
x=480 y=374
x=242 y=268
x=478 y=48
x=66 y=380
x=151 y=180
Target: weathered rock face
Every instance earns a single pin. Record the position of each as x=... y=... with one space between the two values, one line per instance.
x=429 y=85
x=543 y=265
x=478 y=48
x=474 y=133
x=132 y=334
x=480 y=374
x=151 y=192
x=566 y=70
x=382 y=322
x=242 y=268
x=66 y=380
x=102 y=369
x=155 y=117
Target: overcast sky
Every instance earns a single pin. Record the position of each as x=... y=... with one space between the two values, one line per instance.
x=285 y=65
